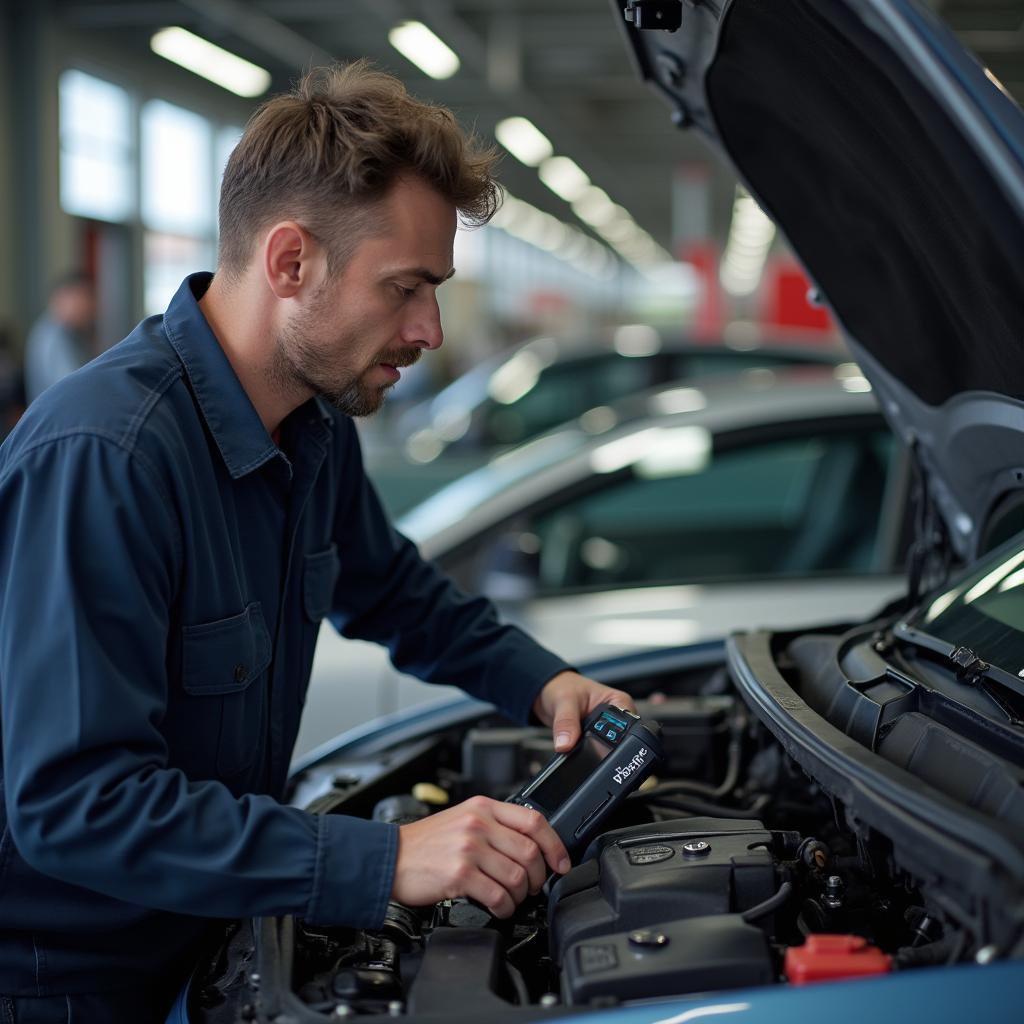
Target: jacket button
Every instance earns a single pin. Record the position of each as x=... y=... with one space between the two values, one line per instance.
x=240 y=673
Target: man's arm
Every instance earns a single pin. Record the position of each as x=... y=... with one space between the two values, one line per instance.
x=90 y=557
x=492 y=851
x=388 y=594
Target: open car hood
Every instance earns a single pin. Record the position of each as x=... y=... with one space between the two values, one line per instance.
x=894 y=165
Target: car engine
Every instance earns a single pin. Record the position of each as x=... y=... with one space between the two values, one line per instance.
x=733 y=869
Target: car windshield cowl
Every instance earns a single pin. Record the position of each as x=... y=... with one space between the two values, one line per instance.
x=978 y=621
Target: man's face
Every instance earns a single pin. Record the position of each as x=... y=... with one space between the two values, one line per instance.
x=349 y=339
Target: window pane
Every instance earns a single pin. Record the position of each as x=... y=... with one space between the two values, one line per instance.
x=96 y=148
x=177 y=190
x=168 y=260
x=563 y=392
x=227 y=139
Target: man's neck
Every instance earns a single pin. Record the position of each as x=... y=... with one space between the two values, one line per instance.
x=242 y=321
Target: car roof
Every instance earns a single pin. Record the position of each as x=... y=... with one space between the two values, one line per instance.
x=562 y=457
x=472 y=387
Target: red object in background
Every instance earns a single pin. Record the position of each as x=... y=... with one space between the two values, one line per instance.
x=833 y=957
x=543 y=302
x=784 y=302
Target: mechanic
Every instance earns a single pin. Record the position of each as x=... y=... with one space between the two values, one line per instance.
x=177 y=517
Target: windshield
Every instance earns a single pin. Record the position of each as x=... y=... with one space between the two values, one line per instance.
x=984 y=611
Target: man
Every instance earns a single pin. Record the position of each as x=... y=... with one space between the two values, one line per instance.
x=175 y=521
x=60 y=340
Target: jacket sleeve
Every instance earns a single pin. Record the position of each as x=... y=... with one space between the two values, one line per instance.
x=388 y=594
x=90 y=557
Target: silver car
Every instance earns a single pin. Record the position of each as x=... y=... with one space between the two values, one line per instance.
x=769 y=499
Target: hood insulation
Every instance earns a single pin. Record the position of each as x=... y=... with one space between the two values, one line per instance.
x=905 y=230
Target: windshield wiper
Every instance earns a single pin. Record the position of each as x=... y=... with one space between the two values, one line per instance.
x=971 y=670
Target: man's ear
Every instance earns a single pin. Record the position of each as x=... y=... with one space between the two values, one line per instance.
x=290 y=255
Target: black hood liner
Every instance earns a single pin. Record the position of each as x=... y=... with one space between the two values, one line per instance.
x=871 y=182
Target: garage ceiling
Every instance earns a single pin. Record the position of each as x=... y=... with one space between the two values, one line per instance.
x=561 y=63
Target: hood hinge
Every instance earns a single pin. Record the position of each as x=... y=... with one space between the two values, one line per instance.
x=665 y=15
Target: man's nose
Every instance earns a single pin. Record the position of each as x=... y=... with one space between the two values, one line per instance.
x=423 y=327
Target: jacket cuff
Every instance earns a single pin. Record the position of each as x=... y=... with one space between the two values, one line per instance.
x=354 y=871
x=542 y=668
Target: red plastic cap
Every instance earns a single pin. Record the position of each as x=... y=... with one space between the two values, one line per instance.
x=831 y=957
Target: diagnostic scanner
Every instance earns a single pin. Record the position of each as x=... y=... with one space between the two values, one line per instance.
x=577 y=790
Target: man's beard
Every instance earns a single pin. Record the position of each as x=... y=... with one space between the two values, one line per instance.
x=299 y=363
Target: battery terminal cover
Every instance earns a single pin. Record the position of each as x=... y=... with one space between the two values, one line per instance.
x=834 y=957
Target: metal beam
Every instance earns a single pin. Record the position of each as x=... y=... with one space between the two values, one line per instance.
x=259 y=29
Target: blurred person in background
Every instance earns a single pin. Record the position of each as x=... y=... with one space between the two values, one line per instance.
x=177 y=519
x=61 y=340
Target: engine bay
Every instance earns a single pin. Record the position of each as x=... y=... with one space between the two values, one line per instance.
x=732 y=869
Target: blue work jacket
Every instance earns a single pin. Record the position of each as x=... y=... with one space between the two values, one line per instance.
x=166 y=567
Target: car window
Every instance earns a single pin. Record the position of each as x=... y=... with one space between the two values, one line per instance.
x=562 y=392
x=790 y=507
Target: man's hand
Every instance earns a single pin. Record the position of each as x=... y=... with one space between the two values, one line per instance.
x=490 y=851
x=567 y=699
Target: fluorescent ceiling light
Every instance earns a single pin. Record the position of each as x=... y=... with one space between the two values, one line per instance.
x=750 y=238
x=523 y=140
x=414 y=41
x=620 y=230
x=539 y=229
x=551 y=234
x=595 y=207
x=574 y=247
x=564 y=177
x=201 y=57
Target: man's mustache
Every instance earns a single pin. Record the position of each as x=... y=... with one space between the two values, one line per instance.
x=401 y=357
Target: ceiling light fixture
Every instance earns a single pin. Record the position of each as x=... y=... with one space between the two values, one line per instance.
x=202 y=58
x=568 y=244
x=620 y=230
x=523 y=140
x=595 y=207
x=564 y=177
x=750 y=237
x=432 y=55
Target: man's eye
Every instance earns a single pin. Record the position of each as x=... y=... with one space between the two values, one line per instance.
x=405 y=292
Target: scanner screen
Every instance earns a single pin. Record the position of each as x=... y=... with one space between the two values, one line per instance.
x=556 y=786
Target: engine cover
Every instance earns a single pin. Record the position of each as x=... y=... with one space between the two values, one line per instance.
x=636 y=877
x=702 y=954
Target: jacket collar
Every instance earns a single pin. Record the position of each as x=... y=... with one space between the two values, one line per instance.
x=231 y=417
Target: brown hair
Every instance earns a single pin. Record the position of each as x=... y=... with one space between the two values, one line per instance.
x=327 y=152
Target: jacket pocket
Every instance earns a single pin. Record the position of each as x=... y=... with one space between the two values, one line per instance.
x=319 y=575
x=221 y=661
